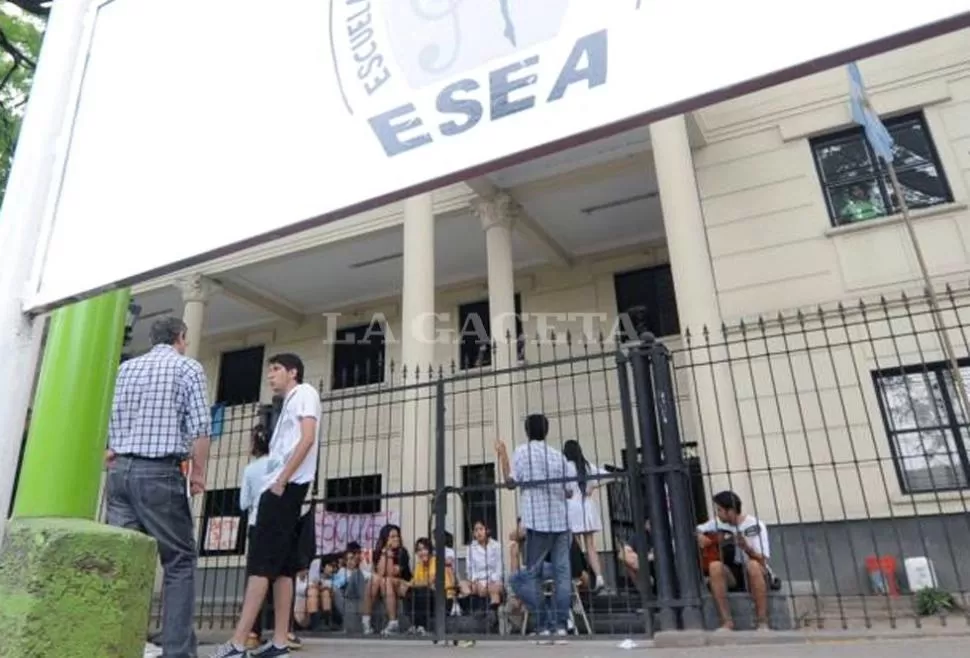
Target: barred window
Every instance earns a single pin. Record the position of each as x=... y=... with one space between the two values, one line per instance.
x=856 y=184
x=928 y=435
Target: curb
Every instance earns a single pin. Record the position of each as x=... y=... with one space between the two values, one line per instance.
x=693 y=639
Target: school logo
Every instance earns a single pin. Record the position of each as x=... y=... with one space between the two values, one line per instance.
x=388 y=54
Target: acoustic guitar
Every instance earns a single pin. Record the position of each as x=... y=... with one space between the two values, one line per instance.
x=721 y=542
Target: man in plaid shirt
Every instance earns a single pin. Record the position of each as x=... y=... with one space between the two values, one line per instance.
x=539 y=472
x=159 y=420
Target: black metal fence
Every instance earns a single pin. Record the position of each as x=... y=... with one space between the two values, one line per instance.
x=840 y=430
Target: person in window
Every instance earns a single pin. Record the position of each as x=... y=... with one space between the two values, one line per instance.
x=392 y=573
x=859 y=206
x=484 y=567
x=423 y=586
x=584 y=512
x=741 y=542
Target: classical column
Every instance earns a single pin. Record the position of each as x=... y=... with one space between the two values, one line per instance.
x=196 y=291
x=497 y=215
x=417 y=356
x=712 y=386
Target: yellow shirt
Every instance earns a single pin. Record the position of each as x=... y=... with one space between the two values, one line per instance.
x=424 y=576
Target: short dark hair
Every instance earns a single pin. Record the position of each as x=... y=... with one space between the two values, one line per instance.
x=167 y=330
x=728 y=500
x=353 y=547
x=289 y=361
x=536 y=427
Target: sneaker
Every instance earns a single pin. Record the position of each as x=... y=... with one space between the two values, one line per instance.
x=270 y=650
x=253 y=642
x=152 y=651
x=545 y=638
x=391 y=628
x=293 y=642
x=227 y=650
x=562 y=636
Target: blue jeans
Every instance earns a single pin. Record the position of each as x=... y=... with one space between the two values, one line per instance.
x=150 y=497
x=527 y=583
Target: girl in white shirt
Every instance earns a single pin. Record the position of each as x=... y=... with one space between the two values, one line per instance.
x=483 y=566
x=584 y=511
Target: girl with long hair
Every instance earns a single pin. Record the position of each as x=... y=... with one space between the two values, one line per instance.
x=583 y=511
x=390 y=580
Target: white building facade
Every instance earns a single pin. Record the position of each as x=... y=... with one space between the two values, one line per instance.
x=764 y=205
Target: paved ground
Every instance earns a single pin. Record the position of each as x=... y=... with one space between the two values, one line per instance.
x=943 y=647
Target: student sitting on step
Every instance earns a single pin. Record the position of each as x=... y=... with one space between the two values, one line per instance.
x=735 y=553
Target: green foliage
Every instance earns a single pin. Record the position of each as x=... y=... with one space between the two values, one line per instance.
x=931 y=601
x=20 y=38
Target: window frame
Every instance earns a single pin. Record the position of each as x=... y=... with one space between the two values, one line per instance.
x=487 y=320
x=332 y=485
x=879 y=174
x=652 y=269
x=938 y=370
x=490 y=501
x=221 y=398
x=229 y=508
x=359 y=331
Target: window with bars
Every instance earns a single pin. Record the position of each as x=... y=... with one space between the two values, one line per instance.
x=928 y=434
x=475 y=327
x=353 y=495
x=856 y=183
x=646 y=297
x=224 y=524
x=358 y=356
x=240 y=376
x=479 y=498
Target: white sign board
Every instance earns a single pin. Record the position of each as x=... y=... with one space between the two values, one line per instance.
x=206 y=125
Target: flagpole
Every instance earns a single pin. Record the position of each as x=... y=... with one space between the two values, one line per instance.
x=935 y=310
x=882 y=144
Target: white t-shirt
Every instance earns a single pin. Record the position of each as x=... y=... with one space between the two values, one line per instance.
x=484 y=562
x=755 y=533
x=253 y=478
x=301 y=402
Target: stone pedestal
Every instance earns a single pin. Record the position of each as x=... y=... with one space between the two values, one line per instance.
x=71 y=587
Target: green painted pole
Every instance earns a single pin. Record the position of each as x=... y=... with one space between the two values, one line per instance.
x=63 y=461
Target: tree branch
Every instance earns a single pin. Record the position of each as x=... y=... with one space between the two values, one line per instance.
x=13 y=51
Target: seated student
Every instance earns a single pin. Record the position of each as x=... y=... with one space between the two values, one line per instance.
x=392 y=573
x=349 y=583
x=629 y=554
x=484 y=567
x=742 y=562
x=422 y=587
x=306 y=597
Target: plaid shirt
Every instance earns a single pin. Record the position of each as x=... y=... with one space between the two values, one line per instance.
x=542 y=504
x=159 y=405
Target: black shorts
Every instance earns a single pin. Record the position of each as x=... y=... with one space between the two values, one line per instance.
x=275 y=547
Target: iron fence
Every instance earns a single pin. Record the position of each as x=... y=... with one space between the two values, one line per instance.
x=840 y=430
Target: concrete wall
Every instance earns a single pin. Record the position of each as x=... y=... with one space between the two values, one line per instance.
x=771 y=241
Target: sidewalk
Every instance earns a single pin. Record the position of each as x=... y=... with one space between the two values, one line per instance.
x=948 y=647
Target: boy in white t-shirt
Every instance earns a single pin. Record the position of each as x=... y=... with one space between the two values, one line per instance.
x=274 y=554
x=743 y=550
